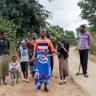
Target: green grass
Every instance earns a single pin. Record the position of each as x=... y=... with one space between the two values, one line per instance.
x=12 y=49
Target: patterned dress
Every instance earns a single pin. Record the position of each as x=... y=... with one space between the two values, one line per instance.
x=42 y=66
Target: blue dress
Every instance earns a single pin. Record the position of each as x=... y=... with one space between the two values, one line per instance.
x=42 y=67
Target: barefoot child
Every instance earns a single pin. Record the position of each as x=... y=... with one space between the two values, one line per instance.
x=24 y=59
x=63 y=49
x=14 y=70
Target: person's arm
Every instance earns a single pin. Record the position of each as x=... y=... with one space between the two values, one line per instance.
x=89 y=39
x=58 y=48
x=67 y=47
x=34 y=52
x=8 y=45
x=51 y=47
x=10 y=67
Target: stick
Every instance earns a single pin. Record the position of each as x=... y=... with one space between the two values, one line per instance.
x=78 y=73
x=44 y=56
x=62 y=46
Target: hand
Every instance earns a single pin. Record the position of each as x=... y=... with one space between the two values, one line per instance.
x=57 y=53
x=33 y=58
x=43 y=56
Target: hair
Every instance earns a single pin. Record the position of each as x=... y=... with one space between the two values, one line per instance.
x=34 y=33
x=14 y=56
x=2 y=33
x=42 y=28
x=83 y=26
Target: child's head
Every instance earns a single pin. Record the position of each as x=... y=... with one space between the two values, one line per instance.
x=14 y=58
x=24 y=46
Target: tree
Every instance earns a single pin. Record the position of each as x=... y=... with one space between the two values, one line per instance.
x=88 y=11
x=8 y=26
x=56 y=31
x=70 y=37
x=28 y=15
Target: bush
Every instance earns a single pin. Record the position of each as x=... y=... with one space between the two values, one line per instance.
x=8 y=26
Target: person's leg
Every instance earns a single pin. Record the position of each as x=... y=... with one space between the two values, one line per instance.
x=23 y=69
x=12 y=78
x=4 y=80
x=26 y=72
x=45 y=88
x=66 y=70
x=60 y=72
x=85 y=62
x=31 y=69
x=64 y=77
x=16 y=76
x=52 y=63
x=81 y=53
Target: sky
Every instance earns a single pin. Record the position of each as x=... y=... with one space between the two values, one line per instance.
x=64 y=13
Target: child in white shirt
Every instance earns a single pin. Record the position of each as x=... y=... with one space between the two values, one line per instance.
x=14 y=70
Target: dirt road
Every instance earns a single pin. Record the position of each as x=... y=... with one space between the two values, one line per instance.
x=87 y=84
x=28 y=89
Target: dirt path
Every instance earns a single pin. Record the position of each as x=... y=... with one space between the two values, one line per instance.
x=28 y=89
x=87 y=84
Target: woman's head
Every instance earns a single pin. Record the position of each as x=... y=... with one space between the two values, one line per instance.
x=43 y=32
x=62 y=38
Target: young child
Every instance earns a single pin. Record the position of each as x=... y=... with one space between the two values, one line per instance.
x=24 y=59
x=14 y=70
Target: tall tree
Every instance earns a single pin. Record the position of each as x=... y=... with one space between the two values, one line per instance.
x=28 y=15
x=88 y=11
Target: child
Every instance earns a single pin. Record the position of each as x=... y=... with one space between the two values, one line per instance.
x=14 y=70
x=24 y=61
x=63 y=49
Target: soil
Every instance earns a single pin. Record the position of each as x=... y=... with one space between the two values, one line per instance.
x=70 y=88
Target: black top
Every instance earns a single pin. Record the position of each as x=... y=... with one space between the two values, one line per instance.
x=61 y=50
x=4 y=46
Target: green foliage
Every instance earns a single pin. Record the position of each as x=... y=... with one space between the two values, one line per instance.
x=88 y=12
x=93 y=45
x=28 y=15
x=56 y=31
x=8 y=26
x=70 y=37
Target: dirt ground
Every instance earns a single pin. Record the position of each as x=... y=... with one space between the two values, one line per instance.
x=28 y=89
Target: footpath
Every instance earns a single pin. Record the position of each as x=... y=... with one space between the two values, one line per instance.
x=87 y=84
